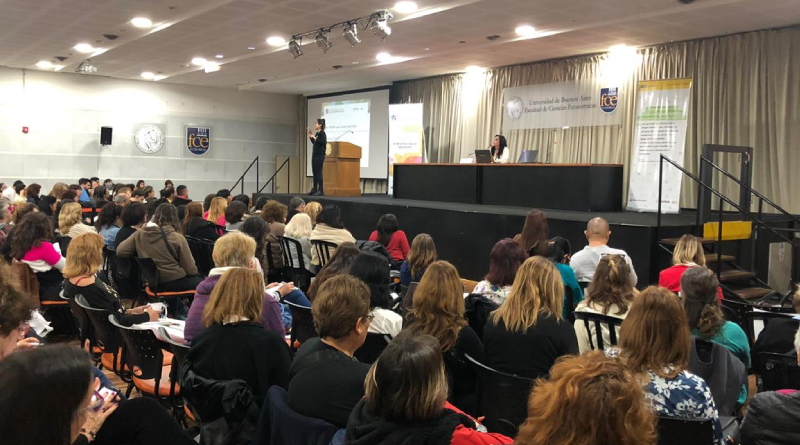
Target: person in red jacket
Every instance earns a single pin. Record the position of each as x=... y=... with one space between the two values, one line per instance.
x=388 y=233
x=688 y=253
x=405 y=401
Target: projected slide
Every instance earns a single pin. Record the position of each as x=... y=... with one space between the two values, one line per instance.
x=349 y=121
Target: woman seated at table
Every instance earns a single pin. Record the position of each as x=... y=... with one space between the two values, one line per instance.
x=84 y=259
x=406 y=400
x=499 y=149
x=234 y=344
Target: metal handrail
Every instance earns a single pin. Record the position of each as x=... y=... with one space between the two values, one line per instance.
x=272 y=178
x=241 y=178
x=749 y=189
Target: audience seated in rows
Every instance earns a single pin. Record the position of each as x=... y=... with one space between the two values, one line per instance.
x=534 y=237
x=610 y=293
x=772 y=415
x=195 y=225
x=405 y=401
x=588 y=400
x=235 y=215
x=688 y=253
x=329 y=228
x=108 y=224
x=234 y=343
x=373 y=270
x=584 y=263
x=234 y=250
x=299 y=229
x=341 y=260
x=530 y=320
x=655 y=343
x=390 y=236
x=506 y=257
x=296 y=205
x=438 y=310
x=422 y=254
x=161 y=240
x=31 y=244
x=325 y=380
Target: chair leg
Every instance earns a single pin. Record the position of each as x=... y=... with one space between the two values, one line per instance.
x=129 y=390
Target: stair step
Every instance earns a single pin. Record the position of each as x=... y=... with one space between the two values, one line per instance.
x=674 y=241
x=712 y=258
x=735 y=275
x=752 y=293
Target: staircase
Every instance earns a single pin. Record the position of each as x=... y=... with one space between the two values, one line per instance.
x=739 y=281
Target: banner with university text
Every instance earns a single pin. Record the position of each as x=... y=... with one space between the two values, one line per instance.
x=405 y=137
x=579 y=103
x=662 y=113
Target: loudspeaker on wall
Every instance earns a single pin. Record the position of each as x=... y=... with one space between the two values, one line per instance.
x=105 y=135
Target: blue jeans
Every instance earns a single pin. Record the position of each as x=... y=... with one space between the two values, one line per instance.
x=295 y=297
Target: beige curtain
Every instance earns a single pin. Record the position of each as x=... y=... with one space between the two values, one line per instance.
x=746 y=91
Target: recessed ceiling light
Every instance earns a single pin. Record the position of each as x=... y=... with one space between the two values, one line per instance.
x=148 y=74
x=251 y=48
x=427 y=49
x=525 y=30
x=44 y=64
x=83 y=48
x=211 y=67
x=276 y=41
x=383 y=57
x=199 y=61
x=142 y=22
x=219 y=56
x=157 y=78
x=405 y=7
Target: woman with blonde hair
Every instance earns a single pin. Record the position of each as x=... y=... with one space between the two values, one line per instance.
x=438 y=310
x=564 y=409
x=313 y=210
x=405 y=401
x=530 y=320
x=688 y=253
x=422 y=254
x=69 y=221
x=58 y=190
x=655 y=343
x=299 y=229
x=234 y=344
x=83 y=277
x=610 y=293
x=195 y=225
x=216 y=211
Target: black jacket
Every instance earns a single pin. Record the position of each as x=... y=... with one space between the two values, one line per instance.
x=772 y=420
x=200 y=228
x=320 y=144
x=364 y=428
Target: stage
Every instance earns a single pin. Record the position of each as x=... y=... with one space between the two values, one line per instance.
x=465 y=233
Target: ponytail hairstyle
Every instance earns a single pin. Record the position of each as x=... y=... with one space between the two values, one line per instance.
x=699 y=292
x=611 y=285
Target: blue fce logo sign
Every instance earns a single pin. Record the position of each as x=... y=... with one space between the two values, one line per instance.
x=608 y=99
x=198 y=139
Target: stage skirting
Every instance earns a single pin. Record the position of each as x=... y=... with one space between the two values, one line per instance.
x=582 y=187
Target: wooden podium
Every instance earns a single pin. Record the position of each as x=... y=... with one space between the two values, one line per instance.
x=341 y=172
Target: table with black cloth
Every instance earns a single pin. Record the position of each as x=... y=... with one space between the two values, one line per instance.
x=581 y=187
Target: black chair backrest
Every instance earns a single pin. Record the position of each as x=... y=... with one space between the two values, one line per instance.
x=764 y=317
x=477 y=309
x=179 y=349
x=291 y=246
x=202 y=251
x=736 y=311
x=63 y=243
x=675 y=431
x=148 y=271
x=372 y=347
x=107 y=334
x=143 y=351
x=302 y=323
x=599 y=320
x=777 y=371
x=110 y=265
x=84 y=324
x=324 y=250
x=502 y=398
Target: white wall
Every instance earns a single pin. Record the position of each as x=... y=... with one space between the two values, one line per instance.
x=64 y=113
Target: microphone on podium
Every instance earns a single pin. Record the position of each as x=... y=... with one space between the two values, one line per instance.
x=340 y=136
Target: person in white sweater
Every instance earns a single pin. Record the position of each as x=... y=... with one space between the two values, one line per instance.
x=329 y=228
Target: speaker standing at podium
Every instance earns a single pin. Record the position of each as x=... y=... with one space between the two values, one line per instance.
x=320 y=141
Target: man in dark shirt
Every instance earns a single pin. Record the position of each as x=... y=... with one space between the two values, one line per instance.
x=183 y=196
x=326 y=380
x=296 y=205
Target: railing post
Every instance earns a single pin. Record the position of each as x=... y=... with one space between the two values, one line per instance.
x=660 y=180
x=756 y=248
x=258 y=175
x=719 y=242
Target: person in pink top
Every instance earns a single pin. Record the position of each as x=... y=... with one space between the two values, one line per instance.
x=388 y=233
x=31 y=245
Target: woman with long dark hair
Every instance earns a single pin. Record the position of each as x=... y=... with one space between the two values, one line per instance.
x=32 y=193
x=329 y=228
x=373 y=270
x=340 y=263
x=32 y=245
x=535 y=236
x=499 y=149
x=320 y=141
x=506 y=257
x=195 y=225
x=108 y=223
x=390 y=236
